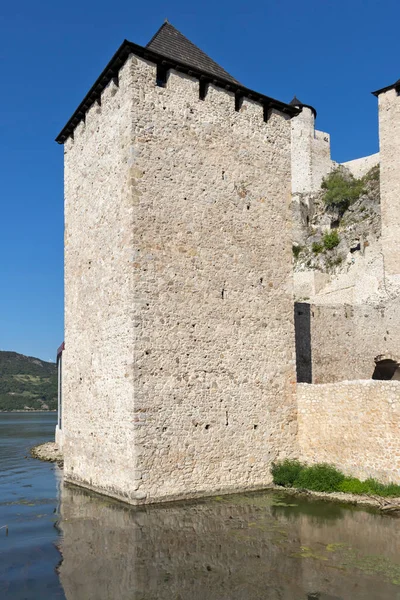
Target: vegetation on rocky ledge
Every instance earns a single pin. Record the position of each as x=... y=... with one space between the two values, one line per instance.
x=341 y=189
x=343 y=218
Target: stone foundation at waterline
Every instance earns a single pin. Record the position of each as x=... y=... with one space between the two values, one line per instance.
x=353 y=425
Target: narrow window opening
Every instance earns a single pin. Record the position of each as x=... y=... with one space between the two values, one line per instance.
x=266 y=112
x=238 y=102
x=203 y=88
x=161 y=76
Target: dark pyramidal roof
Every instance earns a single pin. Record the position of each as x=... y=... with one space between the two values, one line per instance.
x=171 y=43
x=296 y=102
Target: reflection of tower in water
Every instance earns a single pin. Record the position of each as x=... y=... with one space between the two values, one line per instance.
x=229 y=548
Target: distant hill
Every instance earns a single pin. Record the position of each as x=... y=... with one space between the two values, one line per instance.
x=27 y=383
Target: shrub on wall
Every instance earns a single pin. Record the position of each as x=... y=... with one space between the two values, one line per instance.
x=326 y=478
x=296 y=250
x=286 y=472
x=341 y=189
x=317 y=247
x=320 y=478
x=373 y=174
x=331 y=239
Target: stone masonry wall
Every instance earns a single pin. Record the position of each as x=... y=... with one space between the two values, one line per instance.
x=360 y=166
x=321 y=158
x=353 y=425
x=179 y=313
x=346 y=339
x=389 y=145
x=98 y=356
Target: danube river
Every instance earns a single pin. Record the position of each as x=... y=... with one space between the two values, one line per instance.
x=62 y=542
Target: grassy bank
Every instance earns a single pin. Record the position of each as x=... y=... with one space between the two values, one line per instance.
x=326 y=478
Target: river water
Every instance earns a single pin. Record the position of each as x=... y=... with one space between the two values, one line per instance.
x=64 y=542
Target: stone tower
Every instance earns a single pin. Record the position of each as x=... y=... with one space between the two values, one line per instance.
x=178 y=368
x=303 y=128
x=389 y=149
x=311 y=151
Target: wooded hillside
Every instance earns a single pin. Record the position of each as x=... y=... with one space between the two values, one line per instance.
x=27 y=383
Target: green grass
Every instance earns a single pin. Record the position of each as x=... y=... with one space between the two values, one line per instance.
x=296 y=250
x=326 y=478
x=331 y=239
x=317 y=247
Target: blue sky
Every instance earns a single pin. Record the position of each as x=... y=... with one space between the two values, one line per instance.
x=330 y=53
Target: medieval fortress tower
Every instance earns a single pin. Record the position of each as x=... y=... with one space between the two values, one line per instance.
x=179 y=368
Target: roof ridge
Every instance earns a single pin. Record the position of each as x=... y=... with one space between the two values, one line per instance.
x=172 y=43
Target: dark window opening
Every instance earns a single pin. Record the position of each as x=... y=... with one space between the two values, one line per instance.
x=203 y=88
x=266 y=112
x=238 y=102
x=302 y=328
x=161 y=76
x=386 y=370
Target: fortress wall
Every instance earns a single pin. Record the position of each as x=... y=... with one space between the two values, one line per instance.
x=320 y=158
x=360 y=166
x=344 y=339
x=389 y=144
x=353 y=425
x=178 y=310
x=97 y=360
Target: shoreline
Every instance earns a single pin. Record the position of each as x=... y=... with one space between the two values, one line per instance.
x=389 y=504
x=29 y=410
x=50 y=452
